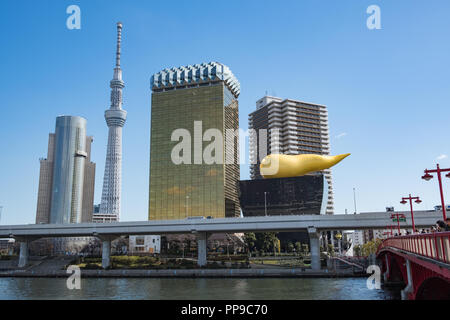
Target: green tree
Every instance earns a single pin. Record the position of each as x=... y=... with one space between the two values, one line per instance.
x=174 y=247
x=370 y=247
x=277 y=246
x=298 y=247
x=250 y=241
x=290 y=247
x=266 y=241
x=330 y=249
x=305 y=248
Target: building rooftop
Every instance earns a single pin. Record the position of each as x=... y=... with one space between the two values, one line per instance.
x=266 y=100
x=195 y=74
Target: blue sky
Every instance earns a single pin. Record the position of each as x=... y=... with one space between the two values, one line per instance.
x=387 y=90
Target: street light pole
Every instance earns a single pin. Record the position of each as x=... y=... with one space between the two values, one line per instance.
x=428 y=177
x=397 y=215
x=398 y=223
x=417 y=200
x=339 y=237
x=442 y=194
x=265 y=203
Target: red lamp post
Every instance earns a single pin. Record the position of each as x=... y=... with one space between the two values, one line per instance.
x=427 y=176
x=417 y=200
x=398 y=224
x=390 y=230
x=398 y=216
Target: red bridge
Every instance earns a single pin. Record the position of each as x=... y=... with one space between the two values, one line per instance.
x=421 y=262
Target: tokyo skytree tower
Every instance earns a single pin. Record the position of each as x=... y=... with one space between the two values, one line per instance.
x=115 y=118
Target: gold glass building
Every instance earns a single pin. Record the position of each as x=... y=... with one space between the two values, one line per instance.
x=194 y=99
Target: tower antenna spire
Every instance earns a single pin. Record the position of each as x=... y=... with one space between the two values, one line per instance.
x=119 y=40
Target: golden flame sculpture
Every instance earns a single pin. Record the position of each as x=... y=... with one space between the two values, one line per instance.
x=285 y=166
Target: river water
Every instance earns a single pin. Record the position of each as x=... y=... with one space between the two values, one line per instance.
x=198 y=288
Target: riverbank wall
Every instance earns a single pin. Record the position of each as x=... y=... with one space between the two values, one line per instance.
x=188 y=273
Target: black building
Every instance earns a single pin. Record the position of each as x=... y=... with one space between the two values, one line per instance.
x=284 y=196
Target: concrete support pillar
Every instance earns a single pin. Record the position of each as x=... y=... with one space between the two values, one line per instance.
x=324 y=239
x=23 y=256
x=410 y=287
x=202 y=239
x=106 y=253
x=332 y=239
x=330 y=264
x=386 y=274
x=314 y=247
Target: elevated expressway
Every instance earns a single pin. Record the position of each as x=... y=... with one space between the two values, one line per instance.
x=314 y=224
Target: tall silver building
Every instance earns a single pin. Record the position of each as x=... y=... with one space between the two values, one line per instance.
x=67 y=176
x=115 y=119
x=302 y=126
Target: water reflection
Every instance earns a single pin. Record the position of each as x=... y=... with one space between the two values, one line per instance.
x=165 y=288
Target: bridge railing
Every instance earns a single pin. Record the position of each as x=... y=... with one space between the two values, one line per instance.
x=432 y=245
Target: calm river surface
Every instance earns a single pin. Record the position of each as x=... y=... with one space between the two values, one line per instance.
x=163 y=288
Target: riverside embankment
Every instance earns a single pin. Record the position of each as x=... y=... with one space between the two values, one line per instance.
x=187 y=273
x=56 y=267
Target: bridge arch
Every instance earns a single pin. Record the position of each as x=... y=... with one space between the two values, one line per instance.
x=434 y=288
x=396 y=273
x=420 y=261
x=395 y=267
